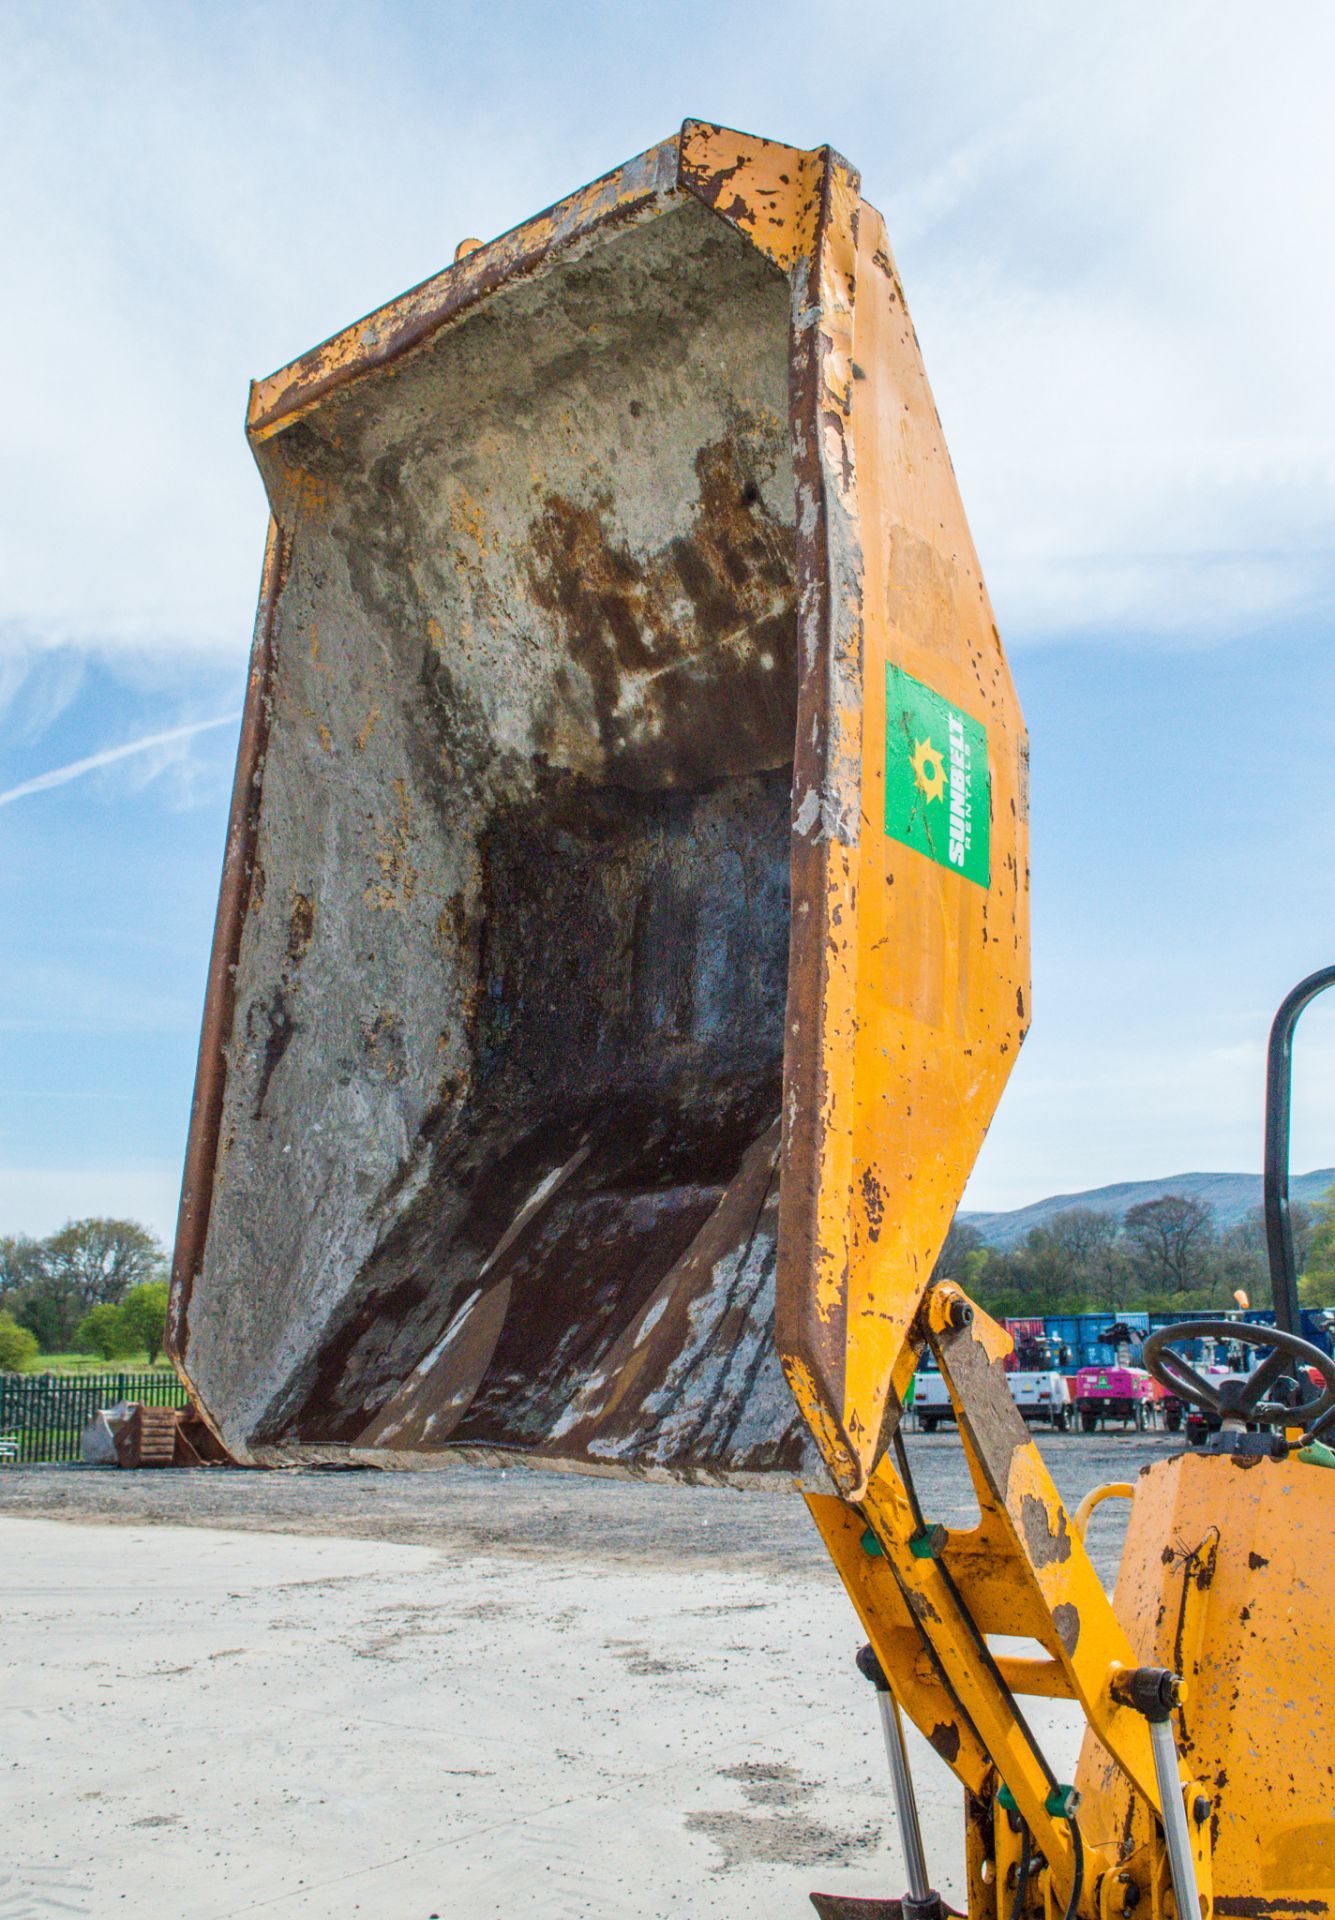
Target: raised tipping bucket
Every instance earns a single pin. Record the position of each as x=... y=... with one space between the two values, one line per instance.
x=486 y=1144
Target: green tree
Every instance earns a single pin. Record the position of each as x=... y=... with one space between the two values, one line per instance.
x=1317 y=1286
x=103 y=1330
x=1099 y=1268
x=18 y=1347
x=52 y=1315
x=20 y=1265
x=1302 y=1224
x=102 y=1259
x=1041 y=1275
x=1240 y=1264
x=50 y=1285
x=48 y=1308
x=961 y=1241
x=144 y=1312
x=995 y=1286
x=1170 y=1241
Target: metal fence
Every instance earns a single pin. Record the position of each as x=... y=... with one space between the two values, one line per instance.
x=46 y=1413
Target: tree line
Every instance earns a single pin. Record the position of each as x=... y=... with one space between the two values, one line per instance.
x=99 y=1286
x=1162 y=1254
x=96 y=1286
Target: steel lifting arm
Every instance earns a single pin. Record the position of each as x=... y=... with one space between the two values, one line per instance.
x=930 y=1599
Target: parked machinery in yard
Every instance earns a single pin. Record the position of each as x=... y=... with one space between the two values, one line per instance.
x=622 y=948
x=931 y=1399
x=1178 y=1417
x=1119 y=1392
x=1037 y=1380
x=1033 y=1377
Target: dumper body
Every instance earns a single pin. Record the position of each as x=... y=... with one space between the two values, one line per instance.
x=623 y=932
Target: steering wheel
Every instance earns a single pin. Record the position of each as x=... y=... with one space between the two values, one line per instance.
x=1240 y=1399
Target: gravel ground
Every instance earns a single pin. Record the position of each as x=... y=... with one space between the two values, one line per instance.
x=525 y=1511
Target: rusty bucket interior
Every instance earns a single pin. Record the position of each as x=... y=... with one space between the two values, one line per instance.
x=497 y=1159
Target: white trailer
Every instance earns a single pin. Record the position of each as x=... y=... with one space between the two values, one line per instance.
x=1041 y=1394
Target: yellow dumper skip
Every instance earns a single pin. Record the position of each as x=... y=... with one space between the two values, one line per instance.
x=623 y=936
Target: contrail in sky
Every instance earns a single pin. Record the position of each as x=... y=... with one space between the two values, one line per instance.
x=76 y=768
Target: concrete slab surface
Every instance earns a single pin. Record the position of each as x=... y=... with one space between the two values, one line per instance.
x=209 y=1721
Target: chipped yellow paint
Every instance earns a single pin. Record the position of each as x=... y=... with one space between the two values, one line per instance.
x=912 y=1012
x=972 y=1681
x=813 y=1408
x=305 y=495
x=941 y=966
x=1031 y=1538
x=915 y=1002
x=1226 y=1576
x=995 y=1586
x=384 y=1044
x=990 y=1335
x=368 y=726
x=325 y=737
x=770 y=192
x=467 y=520
x=890 y=1626
x=943 y=1303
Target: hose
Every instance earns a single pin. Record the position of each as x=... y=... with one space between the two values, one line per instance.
x=1078 y=1868
x=1022 y=1877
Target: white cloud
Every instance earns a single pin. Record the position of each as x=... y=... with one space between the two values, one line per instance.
x=88 y=995
x=187 y=204
x=1125 y=320
x=1117 y=265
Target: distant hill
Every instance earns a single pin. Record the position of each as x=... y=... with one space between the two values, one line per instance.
x=1230 y=1197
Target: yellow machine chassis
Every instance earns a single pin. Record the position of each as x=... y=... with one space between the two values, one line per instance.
x=1225 y=1580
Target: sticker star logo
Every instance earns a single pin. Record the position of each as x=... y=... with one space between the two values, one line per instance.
x=956 y=834
x=929 y=771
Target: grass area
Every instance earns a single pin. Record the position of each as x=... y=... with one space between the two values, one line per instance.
x=94 y=1363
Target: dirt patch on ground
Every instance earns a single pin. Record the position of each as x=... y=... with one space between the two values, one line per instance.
x=770 y=1829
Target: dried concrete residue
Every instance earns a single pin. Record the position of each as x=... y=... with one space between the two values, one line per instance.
x=525 y=836
x=775 y=1832
x=646 y=1663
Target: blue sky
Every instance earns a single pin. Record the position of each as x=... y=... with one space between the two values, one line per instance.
x=1114 y=232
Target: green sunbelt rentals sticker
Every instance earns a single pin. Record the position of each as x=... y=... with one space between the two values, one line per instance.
x=938 y=797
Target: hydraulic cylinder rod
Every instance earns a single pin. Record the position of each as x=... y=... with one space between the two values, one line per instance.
x=923 y=1902
x=1155 y=1691
x=1181 y=1862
